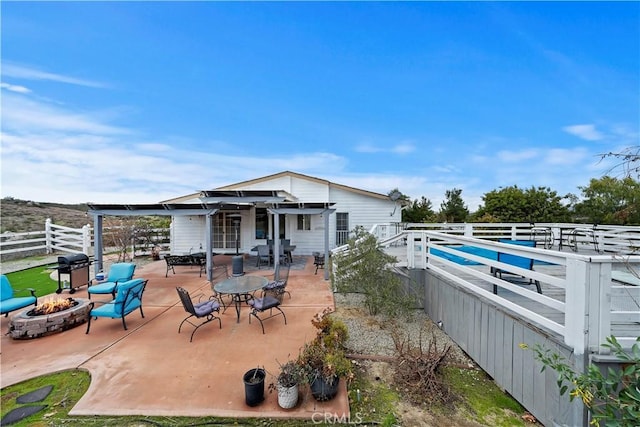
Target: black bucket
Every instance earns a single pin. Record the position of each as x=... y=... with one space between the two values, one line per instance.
x=254 y=386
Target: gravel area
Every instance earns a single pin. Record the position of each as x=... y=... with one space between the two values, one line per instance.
x=372 y=335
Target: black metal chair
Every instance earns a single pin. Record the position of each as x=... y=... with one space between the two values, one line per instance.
x=318 y=261
x=270 y=301
x=264 y=255
x=201 y=310
x=279 y=282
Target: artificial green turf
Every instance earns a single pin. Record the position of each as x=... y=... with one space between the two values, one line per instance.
x=36 y=278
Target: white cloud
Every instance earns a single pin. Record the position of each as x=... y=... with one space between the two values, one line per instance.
x=401 y=148
x=367 y=148
x=24 y=114
x=586 y=132
x=28 y=73
x=14 y=88
x=404 y=148
x=565 y=156
x=517 y=156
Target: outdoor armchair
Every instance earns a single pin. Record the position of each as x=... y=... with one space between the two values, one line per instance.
x=9 y=302
x=220 y=273
x=270 y=301
x=119 y=272
x=279 y=282
x=201 y=310
x=318 y=261
x=264 y=255
x=128 y=298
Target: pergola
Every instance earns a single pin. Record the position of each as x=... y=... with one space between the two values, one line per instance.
x=210 y=203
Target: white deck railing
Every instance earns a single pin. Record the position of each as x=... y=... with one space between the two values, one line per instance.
x=581 y=302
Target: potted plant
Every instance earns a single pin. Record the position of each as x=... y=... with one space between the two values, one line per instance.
x=290 y=376
x=324 y=359
x=254 y=386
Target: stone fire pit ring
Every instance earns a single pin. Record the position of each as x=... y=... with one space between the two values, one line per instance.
x=23 y=326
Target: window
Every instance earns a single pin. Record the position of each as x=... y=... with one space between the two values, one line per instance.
x=342 y=228
x=304 y=222
x=262 y=223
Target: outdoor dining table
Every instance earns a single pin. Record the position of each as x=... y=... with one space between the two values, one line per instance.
x=240 y=288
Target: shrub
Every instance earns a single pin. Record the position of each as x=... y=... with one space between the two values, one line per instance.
x=613 y=399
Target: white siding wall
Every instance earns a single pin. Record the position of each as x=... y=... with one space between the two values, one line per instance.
x=189 y=234
x=363 y=210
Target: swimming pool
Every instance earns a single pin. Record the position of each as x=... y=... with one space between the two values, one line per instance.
x=474 y=250
x=485 y=253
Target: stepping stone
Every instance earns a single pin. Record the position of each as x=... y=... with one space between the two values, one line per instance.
x=36 y=395
x=20 y=413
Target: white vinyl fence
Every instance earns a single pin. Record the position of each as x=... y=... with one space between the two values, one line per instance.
x=53 y=238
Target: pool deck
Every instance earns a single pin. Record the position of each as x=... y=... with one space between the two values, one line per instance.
x=150 y=369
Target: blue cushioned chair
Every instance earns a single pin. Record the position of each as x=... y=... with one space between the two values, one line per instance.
x=9 y=303
x=119 y=272
x=128 y=298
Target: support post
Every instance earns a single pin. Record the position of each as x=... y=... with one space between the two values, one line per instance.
x=97 y=243
x=47 y=235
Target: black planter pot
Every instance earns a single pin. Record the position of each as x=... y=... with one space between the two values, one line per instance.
x=254 y=386
x=323 y=390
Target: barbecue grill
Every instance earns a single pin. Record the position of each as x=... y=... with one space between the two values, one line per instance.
x=77 y=267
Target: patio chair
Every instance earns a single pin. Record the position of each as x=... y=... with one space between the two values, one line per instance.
x=270 y=301
x=318 y=261
x=264 y=255
x=200 y=310
x=128 y=298
x=118 y=272
x=11 y=303
x=517 y=261
x=279 y=282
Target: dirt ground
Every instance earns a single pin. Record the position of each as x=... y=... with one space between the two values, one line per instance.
x=372 y=339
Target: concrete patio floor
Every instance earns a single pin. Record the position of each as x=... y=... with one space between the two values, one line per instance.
x=150 y=369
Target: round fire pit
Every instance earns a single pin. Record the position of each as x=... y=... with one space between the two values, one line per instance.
x=28 y=325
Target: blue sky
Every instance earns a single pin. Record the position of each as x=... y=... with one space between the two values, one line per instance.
x=138 y=102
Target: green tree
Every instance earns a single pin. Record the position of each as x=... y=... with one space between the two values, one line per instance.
x=365 y=268
x=453 y=209
x=513 y=204
x=419 y=211
x=610 y=200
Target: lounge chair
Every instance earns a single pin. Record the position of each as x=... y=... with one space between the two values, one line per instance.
x=516 y=261
x=9 y=302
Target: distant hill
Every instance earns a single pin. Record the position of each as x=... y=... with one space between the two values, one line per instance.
x=21 y=216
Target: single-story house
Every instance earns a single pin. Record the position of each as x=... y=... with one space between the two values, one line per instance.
x=314 y=214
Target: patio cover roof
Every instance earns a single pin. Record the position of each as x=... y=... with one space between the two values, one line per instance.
x=278 y=202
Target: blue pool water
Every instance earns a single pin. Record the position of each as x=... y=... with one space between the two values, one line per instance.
x=485 y=253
